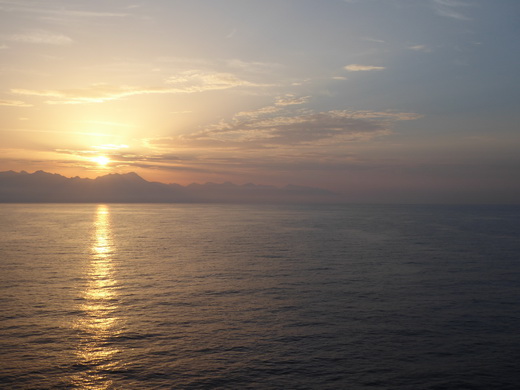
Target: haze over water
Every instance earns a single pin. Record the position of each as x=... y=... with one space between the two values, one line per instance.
x=224 y=296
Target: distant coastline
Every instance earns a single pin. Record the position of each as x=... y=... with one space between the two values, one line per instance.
x=44 y=187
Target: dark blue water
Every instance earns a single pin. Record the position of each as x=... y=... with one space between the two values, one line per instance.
x=267 y=297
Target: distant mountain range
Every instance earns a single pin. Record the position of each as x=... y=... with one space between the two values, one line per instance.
x=40 y=186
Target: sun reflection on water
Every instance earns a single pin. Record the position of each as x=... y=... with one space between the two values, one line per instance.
x=99 y=323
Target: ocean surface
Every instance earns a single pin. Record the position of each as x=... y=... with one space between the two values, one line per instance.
x=259 y=297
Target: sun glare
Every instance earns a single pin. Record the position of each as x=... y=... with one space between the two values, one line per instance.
x=101 y=160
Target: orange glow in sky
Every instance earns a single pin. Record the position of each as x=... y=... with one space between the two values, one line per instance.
x=374 y=99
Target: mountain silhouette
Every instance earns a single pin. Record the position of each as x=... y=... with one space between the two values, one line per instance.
x=40 y=186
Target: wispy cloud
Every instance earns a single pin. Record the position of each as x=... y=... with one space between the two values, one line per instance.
x=291 y=100
x=68 y=132
x=423 y=48
x=93 y=94
x=38 y=37
x=230 y=64
x=275 y=138
x=274 y=127
x=47 y=10
x=254 y=114
x=14 y=103
x=251 y=66
x=450 y=8
x=184 y=82
x=362 y=68
x=375 y=40
x=199 y=81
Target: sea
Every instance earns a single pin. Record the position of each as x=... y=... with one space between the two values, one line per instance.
x=219 y=296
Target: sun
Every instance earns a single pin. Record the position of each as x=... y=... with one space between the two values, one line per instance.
x=101 y=160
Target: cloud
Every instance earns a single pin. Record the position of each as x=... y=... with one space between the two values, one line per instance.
x=272 y=127
x=278 y=136
x=254 y=114
x=375 y=40
x=449 y=8
x=14 y=103
x=92 y=134
x=252 y=66
x=184 y=82
x=199 y=81
x=39 y=37
x=31 y=7
x=420 y=48
x=94 y=94
x=290 y=100
x=362 y=68
x=232 y=64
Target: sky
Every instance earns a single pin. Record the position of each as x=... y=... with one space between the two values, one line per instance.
x=379 y=100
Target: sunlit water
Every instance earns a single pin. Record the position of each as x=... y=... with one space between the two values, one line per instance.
x=213 y=296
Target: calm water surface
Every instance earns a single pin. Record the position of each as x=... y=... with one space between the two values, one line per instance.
x=267 y=297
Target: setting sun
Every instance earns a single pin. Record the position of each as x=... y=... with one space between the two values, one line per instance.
x=101 y=160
